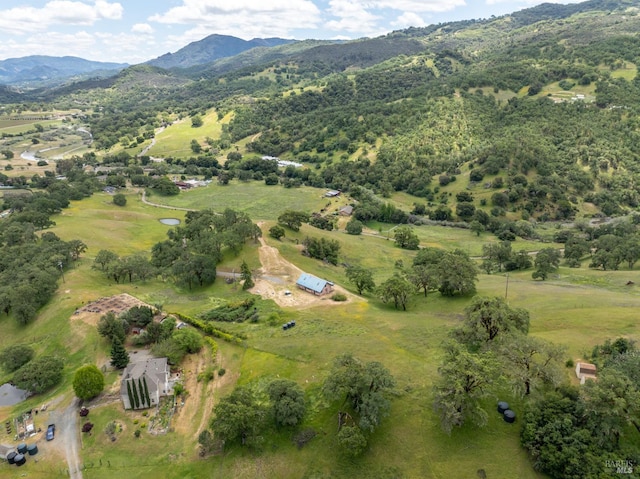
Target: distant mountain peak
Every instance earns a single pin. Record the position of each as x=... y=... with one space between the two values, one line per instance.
x=212 y=48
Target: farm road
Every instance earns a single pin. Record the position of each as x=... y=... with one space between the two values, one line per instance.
x=66 y=438
x=147 y=202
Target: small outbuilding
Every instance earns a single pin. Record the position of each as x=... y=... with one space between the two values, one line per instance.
x=332 y=193
x=346 y=210
x=312 y=284
x=586 y=371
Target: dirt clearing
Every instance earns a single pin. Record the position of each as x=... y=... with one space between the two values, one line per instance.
x=277 y=277
x=117 y=304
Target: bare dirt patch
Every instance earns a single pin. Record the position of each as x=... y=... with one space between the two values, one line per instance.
x=201 y=398
x=277 y=277
x=117 y=304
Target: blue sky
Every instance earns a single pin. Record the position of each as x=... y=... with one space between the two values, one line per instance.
x=134 y=31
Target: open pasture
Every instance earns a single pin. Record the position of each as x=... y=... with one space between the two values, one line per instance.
x=577 y=308
x=259 y=201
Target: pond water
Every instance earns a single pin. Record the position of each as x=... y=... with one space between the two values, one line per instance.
x=170 y=221
x=10 y=395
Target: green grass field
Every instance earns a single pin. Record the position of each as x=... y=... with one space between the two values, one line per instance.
x=175 y=140
x=259 y=201
x=577 y=308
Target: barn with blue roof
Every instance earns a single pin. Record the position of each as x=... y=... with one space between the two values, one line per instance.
x=312 y=284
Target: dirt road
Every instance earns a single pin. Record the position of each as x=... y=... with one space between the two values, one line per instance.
x=66 y=438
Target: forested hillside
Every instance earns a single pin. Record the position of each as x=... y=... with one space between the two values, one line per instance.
x=540 y=105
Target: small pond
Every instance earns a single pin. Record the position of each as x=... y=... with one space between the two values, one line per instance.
x=170 y=221
x=10 y=395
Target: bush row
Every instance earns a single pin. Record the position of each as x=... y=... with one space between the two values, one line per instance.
x=207 y=328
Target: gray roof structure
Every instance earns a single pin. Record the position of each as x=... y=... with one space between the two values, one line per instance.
x=313 y=283
x=155 y=373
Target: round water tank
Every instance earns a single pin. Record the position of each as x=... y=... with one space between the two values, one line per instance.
x=22 y=448
x=32 y=449
x=509 y=415
x=502 y=407
x=19 y=459
x=11 y=457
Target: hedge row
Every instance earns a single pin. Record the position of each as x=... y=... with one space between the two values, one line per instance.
x=214 y=347
x=207 y=328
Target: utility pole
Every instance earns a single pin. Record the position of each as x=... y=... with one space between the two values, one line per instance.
x=506 y=289
x=61 y=270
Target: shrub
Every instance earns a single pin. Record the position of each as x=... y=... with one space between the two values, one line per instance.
x=87 y=427
x=221 y=372
x=119 y=199
x=84 y=412
x=110 y=429
x=339 y=297
x=303 y=437
x=569 y=363
x=137 y=433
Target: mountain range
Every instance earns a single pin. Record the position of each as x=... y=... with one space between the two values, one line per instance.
x=212 y=48
x=41 y=70
x=38 y=71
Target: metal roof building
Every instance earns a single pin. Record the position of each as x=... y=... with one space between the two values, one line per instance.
x=314 y=285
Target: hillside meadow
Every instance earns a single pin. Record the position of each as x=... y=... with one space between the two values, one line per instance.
x=577 y=308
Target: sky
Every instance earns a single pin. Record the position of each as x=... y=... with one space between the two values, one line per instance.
x=134 y=31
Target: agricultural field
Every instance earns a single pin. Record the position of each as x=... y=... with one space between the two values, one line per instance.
x=175 y=140
x=577 y=308
x=259 y=201
x=32 y=140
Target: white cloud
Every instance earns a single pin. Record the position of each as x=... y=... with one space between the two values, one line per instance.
x=77 y=44
x=352 y=17
x=408 y=19
x=57 y=12
x=276 y=16
x=364 y=16
x=240 y=18
x=528 y=2
x=97 y=46
x=434 y=6
x=142 y=28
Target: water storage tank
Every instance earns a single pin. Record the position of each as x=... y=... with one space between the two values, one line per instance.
x=11 y=457
x=509 y=416
x=502 y=407
x=32 y=449
x=19 y=459
x=22 y=448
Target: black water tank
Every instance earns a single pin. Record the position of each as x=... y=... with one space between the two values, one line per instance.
x=32 y=449
x=11 y=457
x=502 y=407
x=509 y=416
x=19 y=459
x=22 y=448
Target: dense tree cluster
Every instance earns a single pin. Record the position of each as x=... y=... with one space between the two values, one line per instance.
x=244 y=414
x=322 y=248
x=490 y=350
x=192 y=251
x=364 y=389
x=573 y=433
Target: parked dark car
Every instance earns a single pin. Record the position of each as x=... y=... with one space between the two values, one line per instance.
x=51 y=432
